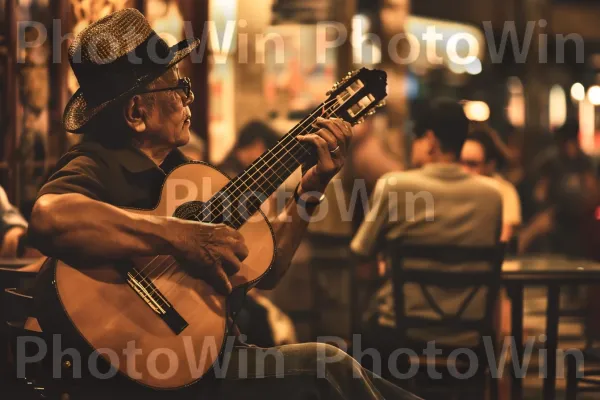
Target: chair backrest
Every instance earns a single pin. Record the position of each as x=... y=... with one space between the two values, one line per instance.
x=462 y=275
x=19 y=323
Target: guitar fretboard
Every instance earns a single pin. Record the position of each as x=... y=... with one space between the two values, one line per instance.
x=242 y=196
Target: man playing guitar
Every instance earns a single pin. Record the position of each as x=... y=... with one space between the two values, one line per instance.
x=133 y=117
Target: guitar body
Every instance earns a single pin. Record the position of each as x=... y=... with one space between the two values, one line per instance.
x=107 y=313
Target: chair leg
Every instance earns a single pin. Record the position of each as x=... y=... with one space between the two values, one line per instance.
x=571 y=390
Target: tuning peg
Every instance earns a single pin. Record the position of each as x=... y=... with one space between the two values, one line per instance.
x=360 y=121
x=382 y=103
x=333 y=88
x=371 y=113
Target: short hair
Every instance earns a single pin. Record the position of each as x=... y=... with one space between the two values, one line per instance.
x=489 y=147
x=109 y=127
x=447 y=119
x=257 y=130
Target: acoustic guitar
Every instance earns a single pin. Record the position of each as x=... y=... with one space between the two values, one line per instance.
x=178 y=324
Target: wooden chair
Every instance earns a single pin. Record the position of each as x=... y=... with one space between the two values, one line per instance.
x=12 y=275
x=583 y=378
x=17 y=309
x=17 y=321
x=34 y=380
x=586 y=378
x=425 y=267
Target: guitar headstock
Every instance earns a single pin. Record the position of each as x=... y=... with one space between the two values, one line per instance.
x=358 y=95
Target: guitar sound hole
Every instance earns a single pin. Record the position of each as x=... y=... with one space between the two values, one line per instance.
x=189 y=211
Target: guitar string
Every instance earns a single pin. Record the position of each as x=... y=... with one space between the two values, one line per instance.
x=271 y=160
x=165 y=271
x=256 y=164
x=295 y=146
x=274 y=156
x=175 y=261
x=168 y=268
x=295 y=143
x=257 y=161
x=326 y=111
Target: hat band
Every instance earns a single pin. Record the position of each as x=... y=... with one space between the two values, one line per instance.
x=103 y=82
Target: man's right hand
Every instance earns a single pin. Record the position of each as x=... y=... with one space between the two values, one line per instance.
x=211 y=252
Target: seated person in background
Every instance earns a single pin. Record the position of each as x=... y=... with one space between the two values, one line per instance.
x=438 y=204
x=480 y=156
x=566 y=180
x=13 y=228
x=254 y=139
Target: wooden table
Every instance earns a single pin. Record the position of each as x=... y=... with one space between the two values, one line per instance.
x=551 y=272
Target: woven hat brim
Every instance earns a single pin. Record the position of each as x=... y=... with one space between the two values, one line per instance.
x=78 y=113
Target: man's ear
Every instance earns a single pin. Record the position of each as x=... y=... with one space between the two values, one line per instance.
x=433 y=142
x=136 y=113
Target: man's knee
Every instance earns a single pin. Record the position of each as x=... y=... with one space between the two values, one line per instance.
x=331 y=352
x=315 y=356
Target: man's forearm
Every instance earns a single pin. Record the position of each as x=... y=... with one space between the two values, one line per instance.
x=72 y=226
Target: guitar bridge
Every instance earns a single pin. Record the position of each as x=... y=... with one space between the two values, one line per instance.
x=150 y=294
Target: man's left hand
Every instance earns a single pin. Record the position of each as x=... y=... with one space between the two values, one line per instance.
x=331 y=142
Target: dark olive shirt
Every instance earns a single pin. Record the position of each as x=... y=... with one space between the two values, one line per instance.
x=124 y=177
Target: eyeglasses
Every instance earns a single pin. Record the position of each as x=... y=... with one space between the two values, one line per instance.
x=184 y=84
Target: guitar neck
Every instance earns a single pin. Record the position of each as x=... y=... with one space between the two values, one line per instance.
x=242 y=196
x=352 y=99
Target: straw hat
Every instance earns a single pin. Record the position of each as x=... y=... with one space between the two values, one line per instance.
x=114 y=57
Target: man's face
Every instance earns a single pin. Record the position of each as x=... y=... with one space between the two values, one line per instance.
x=473 y=158
x=423 y=150
x=170 y=118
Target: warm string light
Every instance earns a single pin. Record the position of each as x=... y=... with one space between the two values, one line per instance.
x=557 y=105
x=477 y=111
x=578 y=92
x=594 y=95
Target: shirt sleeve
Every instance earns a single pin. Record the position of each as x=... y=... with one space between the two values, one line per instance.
x=372 y=229
x=80 y=175
x=10 y=217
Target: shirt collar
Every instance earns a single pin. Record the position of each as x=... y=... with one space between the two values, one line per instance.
x=136 y=161
x=445 y=170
